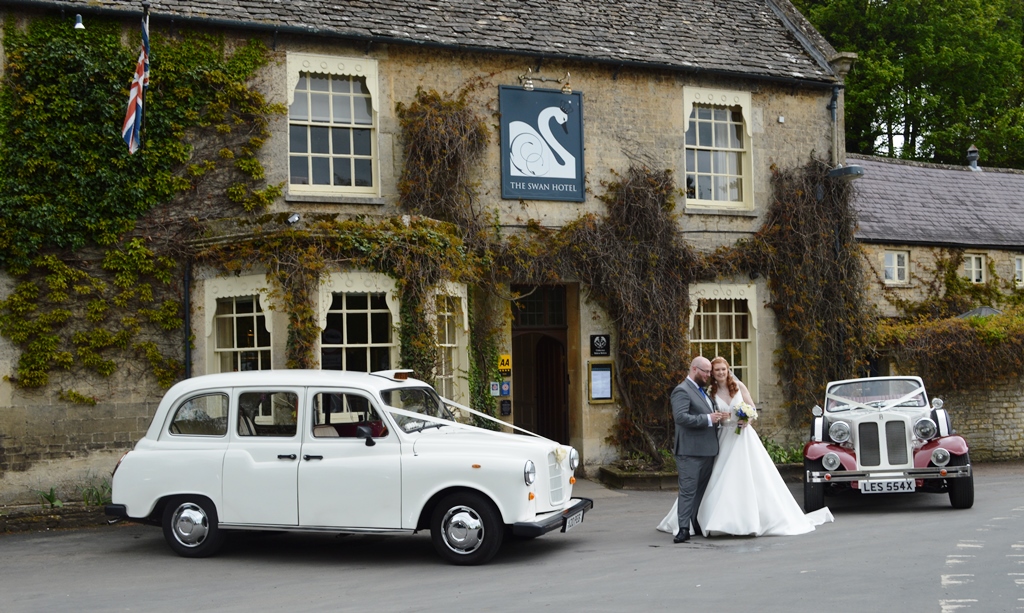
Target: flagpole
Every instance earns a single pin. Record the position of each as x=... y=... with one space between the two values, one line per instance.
x=145 y=17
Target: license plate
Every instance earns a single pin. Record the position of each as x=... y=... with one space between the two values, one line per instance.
x=572 y=521
x=887 y=487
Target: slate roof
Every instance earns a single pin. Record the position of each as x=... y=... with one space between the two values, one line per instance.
x=932 y=204
x=753 y=38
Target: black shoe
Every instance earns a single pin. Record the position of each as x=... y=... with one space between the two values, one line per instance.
x=681 y=537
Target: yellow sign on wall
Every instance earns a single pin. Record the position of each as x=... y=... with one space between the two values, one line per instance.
x=505 y=365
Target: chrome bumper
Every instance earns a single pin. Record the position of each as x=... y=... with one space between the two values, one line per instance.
x=844 y=476
x=553 y=521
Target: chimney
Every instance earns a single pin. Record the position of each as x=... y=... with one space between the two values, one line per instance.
x=972 y=158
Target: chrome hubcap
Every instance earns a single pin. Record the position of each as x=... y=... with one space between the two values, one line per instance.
x=190 y=525
x=462 y=529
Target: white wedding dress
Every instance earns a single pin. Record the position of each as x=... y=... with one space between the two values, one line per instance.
x=746 y=495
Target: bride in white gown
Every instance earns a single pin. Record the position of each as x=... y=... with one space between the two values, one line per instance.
x=746 y=495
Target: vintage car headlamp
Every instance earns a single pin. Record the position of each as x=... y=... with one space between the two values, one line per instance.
x=940 y=456
x=839 y=431
x=574 y=458
x=529 y=472
x=925 y=428
x=831 y=460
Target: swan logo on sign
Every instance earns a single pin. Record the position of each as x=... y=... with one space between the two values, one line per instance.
x=542 y=144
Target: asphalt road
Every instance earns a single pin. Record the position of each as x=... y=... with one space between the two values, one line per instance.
x=888 y=552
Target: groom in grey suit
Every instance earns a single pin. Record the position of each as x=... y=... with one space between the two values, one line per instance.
x=696 y=420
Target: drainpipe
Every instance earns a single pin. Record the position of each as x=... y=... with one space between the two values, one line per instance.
x=833 y=106
x=188 y=318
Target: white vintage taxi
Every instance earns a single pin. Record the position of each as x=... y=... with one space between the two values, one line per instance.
x=338 y=452
x=879 y=435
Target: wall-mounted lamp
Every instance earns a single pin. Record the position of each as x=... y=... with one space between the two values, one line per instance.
x=847 y=173
x=78 y=23
x=293 y=219
x=528 y=79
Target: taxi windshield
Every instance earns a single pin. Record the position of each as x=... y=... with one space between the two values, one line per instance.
x=423 y=400
x=875 y=394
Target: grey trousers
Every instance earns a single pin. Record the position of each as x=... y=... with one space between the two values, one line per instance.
x=694 y=474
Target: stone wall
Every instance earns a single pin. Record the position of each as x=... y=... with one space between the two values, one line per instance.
x=992 y=420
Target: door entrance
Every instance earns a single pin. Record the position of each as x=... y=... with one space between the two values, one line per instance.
x=540 y=378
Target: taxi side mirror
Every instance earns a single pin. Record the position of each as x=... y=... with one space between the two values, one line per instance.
x=365 y=431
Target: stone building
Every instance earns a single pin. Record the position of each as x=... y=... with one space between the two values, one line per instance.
x=718 y=92
x=914 y=220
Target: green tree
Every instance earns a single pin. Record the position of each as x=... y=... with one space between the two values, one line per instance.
x=932 y=77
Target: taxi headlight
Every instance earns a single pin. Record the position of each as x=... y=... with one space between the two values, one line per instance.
x=574 y=458
x=940 y=456
x=925 y=428
x=830 y=461
x=529 y=472
x=839 y=431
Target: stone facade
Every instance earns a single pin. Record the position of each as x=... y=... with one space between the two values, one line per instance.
x=631 y=114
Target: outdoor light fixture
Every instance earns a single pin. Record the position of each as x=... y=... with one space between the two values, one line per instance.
x=78 y=23
x=293 y=219
x=848 y=173
x=528 y=78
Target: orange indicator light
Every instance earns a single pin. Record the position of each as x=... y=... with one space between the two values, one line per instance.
x=828 y=477
x=476 y=466
x=943 y=472
x=531 y=496
x=572 y=480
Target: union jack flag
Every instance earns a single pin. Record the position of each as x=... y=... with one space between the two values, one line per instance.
x=131 y=131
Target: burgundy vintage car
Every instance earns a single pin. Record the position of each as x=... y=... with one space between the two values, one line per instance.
x=881 y=435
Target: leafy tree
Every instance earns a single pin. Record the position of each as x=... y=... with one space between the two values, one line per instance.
x=932 y=77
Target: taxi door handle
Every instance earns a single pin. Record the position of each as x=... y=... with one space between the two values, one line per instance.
x=286 y=456
x=312 y=457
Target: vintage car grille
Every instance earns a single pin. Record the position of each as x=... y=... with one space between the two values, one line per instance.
x=555 y=480
x=870 y=453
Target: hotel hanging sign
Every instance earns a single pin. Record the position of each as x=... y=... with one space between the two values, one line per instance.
x=541 y=144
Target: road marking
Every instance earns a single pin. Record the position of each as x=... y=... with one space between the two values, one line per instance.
x=972 y=544
x=952 y=605
x=1017 y=581
x=948 y=580
x=956 y=559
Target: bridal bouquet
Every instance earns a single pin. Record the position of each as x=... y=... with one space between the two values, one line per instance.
x=744 y=413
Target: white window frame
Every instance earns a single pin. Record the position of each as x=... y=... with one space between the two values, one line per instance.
x=891 y=267
x=695 y=98
x=721 y=291
x=233 y=287
x=361 y=283
x=1018 y=270
x=452 y=343
x=974 y=267
x=336 y=66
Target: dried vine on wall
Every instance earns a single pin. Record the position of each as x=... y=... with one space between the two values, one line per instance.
x=814 y=266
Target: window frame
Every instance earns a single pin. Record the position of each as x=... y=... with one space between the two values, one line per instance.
x=1018 y=270
x=335 y=66
x=357 y=282
x=458 y=342
x=724 y=291
x=981 y=261
x=906 y=267
x=700 y=97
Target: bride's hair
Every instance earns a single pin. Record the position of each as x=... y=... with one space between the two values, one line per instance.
x=730 y=382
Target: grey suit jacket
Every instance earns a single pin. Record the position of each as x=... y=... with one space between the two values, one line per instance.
x=690 y=411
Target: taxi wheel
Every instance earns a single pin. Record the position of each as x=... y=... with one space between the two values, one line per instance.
x=961 y=490
x=466 y=529
x=190 y=526
x=814 y=493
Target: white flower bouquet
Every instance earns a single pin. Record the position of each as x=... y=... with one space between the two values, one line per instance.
x=744 y=413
